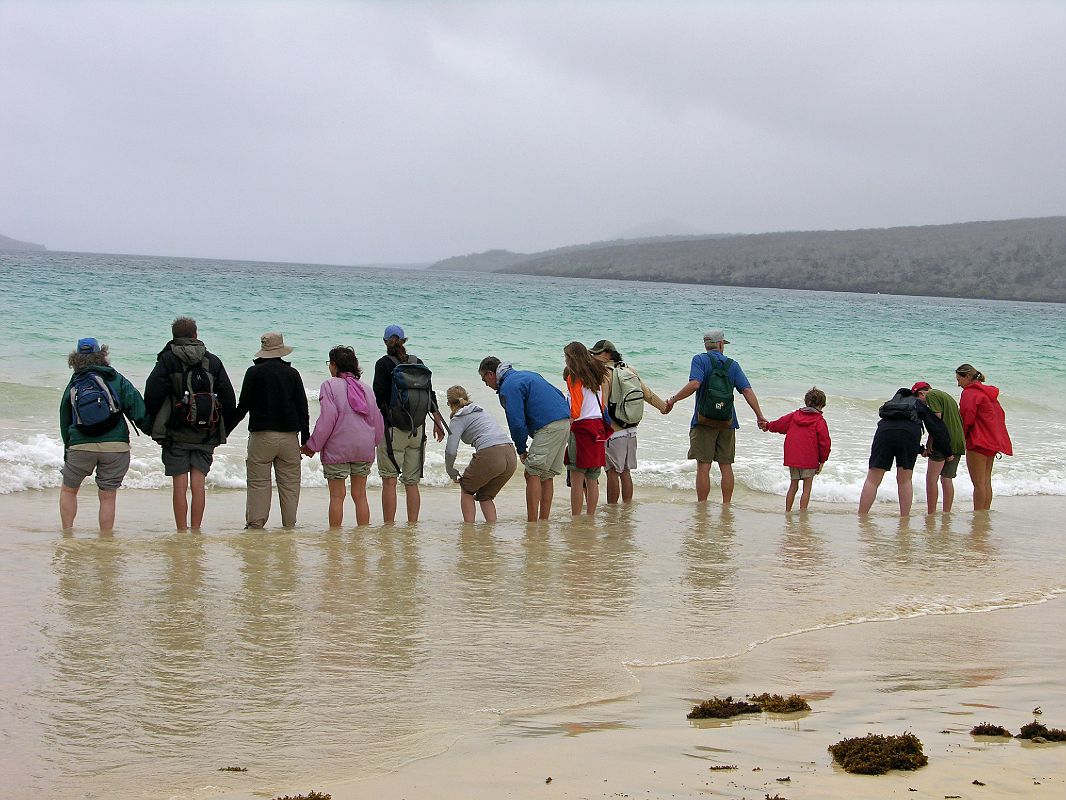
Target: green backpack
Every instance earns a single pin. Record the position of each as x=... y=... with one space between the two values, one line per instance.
x=714 y=403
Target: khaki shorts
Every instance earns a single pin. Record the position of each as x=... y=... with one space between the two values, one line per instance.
x=110 y=468
x=488 y=471
x=712 y=445
x=409 y=452
x=544 y=459
x=951 y=468
x=341 y=472
x=801 y=474
x=622 y=451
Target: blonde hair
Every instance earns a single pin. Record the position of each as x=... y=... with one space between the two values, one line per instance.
x=458 y=397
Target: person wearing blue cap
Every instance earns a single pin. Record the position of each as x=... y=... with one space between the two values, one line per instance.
x=403 y=389
x=92 y=425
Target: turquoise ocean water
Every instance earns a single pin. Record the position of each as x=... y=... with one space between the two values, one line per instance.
x=858 y=348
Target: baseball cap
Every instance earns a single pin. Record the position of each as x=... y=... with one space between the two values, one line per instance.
x=920 y=386
x=715 y=335
x=393 y=330
x=88 y=345
x=602 y=346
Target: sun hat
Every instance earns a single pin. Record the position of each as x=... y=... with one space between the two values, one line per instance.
x=88 y=345
x=920 y=386
x=273 y=346
x=715 y=335
x=602 y=346
x=393 y=330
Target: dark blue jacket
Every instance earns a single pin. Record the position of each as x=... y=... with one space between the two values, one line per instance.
x=530 y=403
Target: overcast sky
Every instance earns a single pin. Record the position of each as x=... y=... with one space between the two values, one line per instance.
x=348 y=132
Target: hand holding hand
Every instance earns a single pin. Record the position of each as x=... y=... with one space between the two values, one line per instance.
x=763 y=423
x=523 y=457
x=307 y=451
x=669 y=405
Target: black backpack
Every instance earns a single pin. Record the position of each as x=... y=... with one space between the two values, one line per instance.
x=410 y=395
x=196 y=406
x=902 y=406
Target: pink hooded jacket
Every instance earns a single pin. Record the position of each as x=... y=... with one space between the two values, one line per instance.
x=342 y=434
x=983 y=420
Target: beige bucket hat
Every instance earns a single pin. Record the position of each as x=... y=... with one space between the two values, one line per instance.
x=273 y=346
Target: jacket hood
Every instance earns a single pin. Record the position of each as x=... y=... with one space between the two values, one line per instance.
x=502 y=370
x=188 y=351
x=466 y=410
x=992 y=392
x=806 y=416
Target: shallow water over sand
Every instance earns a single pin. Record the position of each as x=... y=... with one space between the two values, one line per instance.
x=143 y=662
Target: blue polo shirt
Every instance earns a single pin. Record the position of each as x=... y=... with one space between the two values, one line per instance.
x=701 y=365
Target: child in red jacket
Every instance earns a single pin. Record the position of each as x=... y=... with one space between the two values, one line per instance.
x=806 y=444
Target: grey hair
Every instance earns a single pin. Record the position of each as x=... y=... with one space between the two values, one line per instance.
x=77 y=361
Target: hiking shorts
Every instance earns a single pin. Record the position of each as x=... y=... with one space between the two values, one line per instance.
x=951 y=468
x=110 y=468
x=894 y=444
x=801 y=473
x=544 y=459
x=409 y=452
x=712 y=445
x=347 y=469
x=179 y=459
x=488 y=471
x=622 y=451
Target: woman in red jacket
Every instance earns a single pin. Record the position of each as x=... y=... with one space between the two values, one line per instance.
x=985 y=427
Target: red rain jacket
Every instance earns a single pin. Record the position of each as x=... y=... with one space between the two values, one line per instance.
x=983 y=420
x=807 y=439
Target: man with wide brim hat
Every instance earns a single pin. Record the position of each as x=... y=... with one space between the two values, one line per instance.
x=273 y=397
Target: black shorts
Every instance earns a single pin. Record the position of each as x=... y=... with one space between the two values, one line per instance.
x=894 y=444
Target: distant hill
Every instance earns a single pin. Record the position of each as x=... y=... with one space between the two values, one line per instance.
x=1022 y=259
x=505 y=260
x=7 y=243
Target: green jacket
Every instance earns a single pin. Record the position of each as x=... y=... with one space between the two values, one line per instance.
x=128 y=398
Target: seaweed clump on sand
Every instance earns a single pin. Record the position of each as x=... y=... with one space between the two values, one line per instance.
x=776 y=704
x=988 y=729
x=233 y=769
x=1035 y=730
x=311 y=795
x=717 y=708
x=875 y=754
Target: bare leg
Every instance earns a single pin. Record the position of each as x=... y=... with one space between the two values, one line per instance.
x=533 y=489
x=988 y=483
x=198 y=486
x=362 y=505
x=869 y=489
x=68 y=507
x=107 y=509
x=614 y=487
x=932 y=484
x=488 y=509
x=805 y=498
x=577 y=491
x=790 y=495
x=905 y=487
x=627 y=486
x=592 y=495
x=468 y=506
x=703 y=481
x=388 y=499
x=980 y=469
x=338 y=491
x=414 y=501
x=179 y=495
x=727 y=483
x=547 y=492
x=947 y=486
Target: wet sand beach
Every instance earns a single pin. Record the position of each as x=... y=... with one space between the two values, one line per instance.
x=451 y=660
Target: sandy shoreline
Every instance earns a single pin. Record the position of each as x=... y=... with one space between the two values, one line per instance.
x=876 y=680
x=936 y=674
